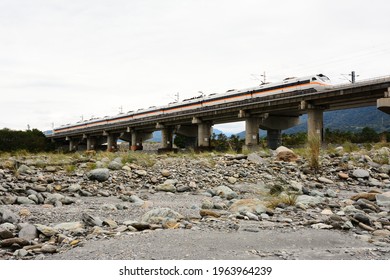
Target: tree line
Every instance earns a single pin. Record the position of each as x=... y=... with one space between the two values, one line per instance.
x=30 y=140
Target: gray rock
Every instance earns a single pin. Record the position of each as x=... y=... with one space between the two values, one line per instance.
x=183 y=188
x=52 y=198
x=226 y=192
x=159 y=215
x=251 y=216
x=109 y=207
x=141 y=172
x=331 y=193
x=136 y=200
x=70 y=226
x=166 y=188
x=361 y=173
x=20 y=253
x=74 y=188
x=115 y=165
x=232 y=180
x=91 y=220
x=321 y=226
x=24 y=169
x=296 y=186
x=309 y=200
x=253 y=157
x=111 y=223
x=165 y=173
x=46 y=230
x=8 y=226
x=362 y=218
x=135 y=225
x=28 y=232
x=50 y=249
x=383 y=199
x=207 y=204
x=32 y=197
x=5 y=233
x=99 y=174
x=254 y=206
x=39 y=188
x=325 y=180
x=8 y=200
x=24 y=200
x=8 y=216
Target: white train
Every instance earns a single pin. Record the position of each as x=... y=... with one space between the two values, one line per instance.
x=314 y=82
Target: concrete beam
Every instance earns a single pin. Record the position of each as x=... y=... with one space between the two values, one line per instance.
x=187 y=130
x=383 y=104
x=278 y=122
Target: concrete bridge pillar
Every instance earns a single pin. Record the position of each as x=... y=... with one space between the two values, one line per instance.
x=252 y=133
x=111 y=143
x=204 y=134
x=315 y=123
x=167 y=137
x=136 y=141
x=274 y=138
x=91 y=143
x=72 y=145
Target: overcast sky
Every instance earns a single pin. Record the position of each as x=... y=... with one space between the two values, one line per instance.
x=61 y=60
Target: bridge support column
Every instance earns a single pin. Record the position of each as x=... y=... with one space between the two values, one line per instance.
x=91 y=143
x=72 y=145
x=167 y=138
x=204 y=134
x=252 y=133
x=136 y=141
x=274 y=138
x=315 y=124
x=111 y=143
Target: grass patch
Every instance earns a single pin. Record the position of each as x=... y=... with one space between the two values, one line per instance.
x=313 y=148
x=286 y=199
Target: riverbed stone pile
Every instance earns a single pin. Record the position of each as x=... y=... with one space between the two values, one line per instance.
x=47 y=208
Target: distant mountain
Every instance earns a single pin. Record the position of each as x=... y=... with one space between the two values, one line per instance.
x=349 y=120
x=345 y=120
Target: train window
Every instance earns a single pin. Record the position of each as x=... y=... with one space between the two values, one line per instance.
x=314 y=79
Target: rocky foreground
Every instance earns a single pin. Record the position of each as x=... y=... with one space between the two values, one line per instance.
x=51 y=206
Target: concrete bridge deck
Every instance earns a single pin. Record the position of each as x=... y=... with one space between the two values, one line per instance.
x=273 y=113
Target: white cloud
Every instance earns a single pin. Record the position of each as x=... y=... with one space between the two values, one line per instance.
x=63 y=59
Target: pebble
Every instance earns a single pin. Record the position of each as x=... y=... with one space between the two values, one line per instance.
x=361 y=173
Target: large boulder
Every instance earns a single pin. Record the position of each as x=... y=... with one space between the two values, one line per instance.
x=285 y=154
x=99 y=174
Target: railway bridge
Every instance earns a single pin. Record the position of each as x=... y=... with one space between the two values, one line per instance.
x=272 y=113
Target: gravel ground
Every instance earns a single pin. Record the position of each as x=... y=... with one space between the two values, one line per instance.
x=210 y=239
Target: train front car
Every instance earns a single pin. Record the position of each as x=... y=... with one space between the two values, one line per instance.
x=320 y=82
